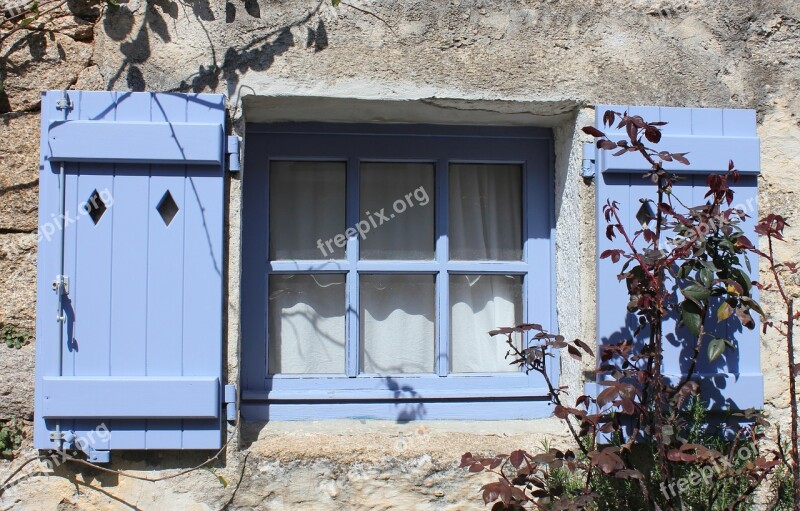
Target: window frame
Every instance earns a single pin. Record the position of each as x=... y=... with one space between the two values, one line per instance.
x=441 y=145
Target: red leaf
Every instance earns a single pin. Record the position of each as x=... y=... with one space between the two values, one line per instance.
x=584 y=346
x=606 y=144
x=591 y=130
x=652 y=134
x=674 y=455
x=608 y=118
x=573 y=352
x=681 y=158
x=516 y=458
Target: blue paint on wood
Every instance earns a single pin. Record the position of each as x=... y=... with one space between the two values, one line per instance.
x=713 y=136
x=136 y=142
x=354 y=143
x=401 y=412
x=145 y=298
x=144 y=397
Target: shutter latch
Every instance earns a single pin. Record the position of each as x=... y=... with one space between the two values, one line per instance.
x=230 y=402
x=61 y=288
x=234 y=165
x=61 y=285
x=589 y=166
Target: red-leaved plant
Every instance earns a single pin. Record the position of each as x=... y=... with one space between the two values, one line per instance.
x=643 y=435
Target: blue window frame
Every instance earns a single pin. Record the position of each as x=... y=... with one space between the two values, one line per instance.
x=278 y=246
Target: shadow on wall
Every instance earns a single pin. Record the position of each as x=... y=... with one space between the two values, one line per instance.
x=136 y=33
x=120 y=24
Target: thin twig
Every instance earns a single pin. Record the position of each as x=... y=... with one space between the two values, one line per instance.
x=162 y=478
x=370 y=13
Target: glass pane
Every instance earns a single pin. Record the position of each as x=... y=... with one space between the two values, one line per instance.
x=396 y=211
x=307 y=210
x=480 y=303
x=306 y=324
x=485 y=212
x=397 y=323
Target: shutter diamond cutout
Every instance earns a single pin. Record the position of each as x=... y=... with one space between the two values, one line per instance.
x=167 y=208
x=645 y=214
x=95 y=207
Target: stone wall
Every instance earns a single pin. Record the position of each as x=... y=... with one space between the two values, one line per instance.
x=555 y=57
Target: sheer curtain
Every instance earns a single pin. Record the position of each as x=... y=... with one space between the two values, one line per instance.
x=306 y=323
x=478 y=304
x=397 y=329
x=306 y=205
x=485 y=215
x=408 y=234
x=485 y=212
x=397 y=323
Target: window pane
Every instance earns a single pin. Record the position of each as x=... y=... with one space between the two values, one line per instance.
x=306 y=323
x=397 y=323
x=307 y=210
x=397 y=211
x=480 y=303
x=485 y=208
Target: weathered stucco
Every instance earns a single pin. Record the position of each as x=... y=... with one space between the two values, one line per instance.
x=550 y=60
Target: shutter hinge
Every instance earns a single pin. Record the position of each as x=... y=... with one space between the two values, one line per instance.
x=234 y=165
x=68 y=440
x=64 y=103
x=230 y=402
x=589 y=165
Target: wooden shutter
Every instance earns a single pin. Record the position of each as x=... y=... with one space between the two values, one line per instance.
x=712 y=137
x=139 y=351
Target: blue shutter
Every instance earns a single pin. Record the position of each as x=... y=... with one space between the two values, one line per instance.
x=712 y=137
x=139 y=350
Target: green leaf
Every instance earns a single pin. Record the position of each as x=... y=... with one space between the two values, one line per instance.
x=335 y=3
x=715 y=349
x=724 y=312
x=742 y=279
x=27 y=21
x=696 y=293
x=754 y=305
x=691 y=316
x=706 y=277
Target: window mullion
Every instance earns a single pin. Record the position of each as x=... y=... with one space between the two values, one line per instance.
x=442 y=278
x=352 y=327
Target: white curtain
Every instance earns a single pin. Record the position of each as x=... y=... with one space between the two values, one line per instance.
x=306 y=206
x=408 y=234
x=485 y=212
x=306 y=324
x=397 y=312
x=397 y=323
x=478 y=304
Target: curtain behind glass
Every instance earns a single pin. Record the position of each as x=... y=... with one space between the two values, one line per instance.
x=408 y=234
x=306 y=324
x=485 y=212
x=397 y=323
x=478 y=304
x=306 y=207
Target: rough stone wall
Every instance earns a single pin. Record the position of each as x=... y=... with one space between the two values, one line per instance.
x=565 y=55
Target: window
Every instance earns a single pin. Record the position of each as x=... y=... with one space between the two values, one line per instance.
x=390 y=251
